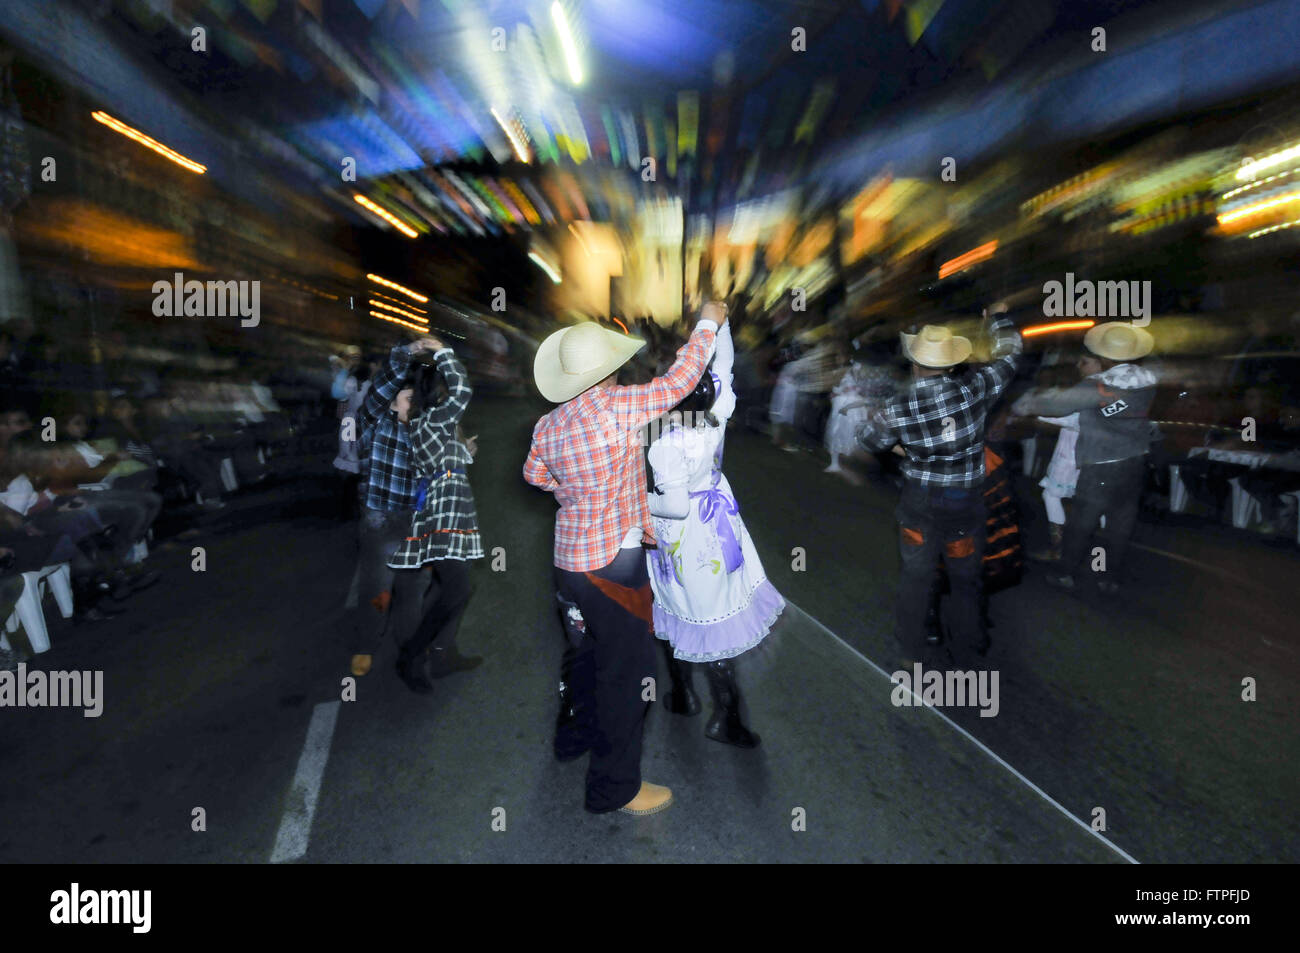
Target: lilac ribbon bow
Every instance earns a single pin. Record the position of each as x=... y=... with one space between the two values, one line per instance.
x=716 y=506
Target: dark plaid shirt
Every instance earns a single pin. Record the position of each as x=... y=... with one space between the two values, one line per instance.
x=939 y=421
x=387 y=471
x=446 y=527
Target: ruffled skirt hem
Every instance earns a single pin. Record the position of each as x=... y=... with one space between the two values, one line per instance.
x=725 y=638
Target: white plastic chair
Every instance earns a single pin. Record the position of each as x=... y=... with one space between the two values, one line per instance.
x=1245 y=508
x=28 y=611
x=1177 y=491
x=228 y=478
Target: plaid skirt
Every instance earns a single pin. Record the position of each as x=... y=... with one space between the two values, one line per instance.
x=446 y=527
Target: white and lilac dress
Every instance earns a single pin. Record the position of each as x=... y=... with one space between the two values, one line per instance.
x=712 y=599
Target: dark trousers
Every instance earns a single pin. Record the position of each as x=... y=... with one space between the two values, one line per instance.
x=131 y=511
x=607 y=672
x=1110 y=489
x=936 y=522
x=428 y=604
x=1269 y=486
x=350 y=503
x=381 y=534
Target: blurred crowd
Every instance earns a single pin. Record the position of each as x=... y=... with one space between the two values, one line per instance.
x=91 y=457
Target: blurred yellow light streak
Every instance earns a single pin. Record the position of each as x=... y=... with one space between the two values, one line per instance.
x=516 y=143
x=1258 y=207
x=405 y=324
x=566 y=42
x=541 y=263
x=386 y=215
x=150 y=143
x=405 y=304
x=1256 y=184
x=401 y=311
x=578 y=236
x=1273 y=228
x=396 y=287
x=1252 y=167
x=1037 y=329
x=974 y=256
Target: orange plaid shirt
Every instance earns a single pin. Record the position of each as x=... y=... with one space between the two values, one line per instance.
x=588 y=452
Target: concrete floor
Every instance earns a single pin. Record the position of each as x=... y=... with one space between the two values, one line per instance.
x=211 y=680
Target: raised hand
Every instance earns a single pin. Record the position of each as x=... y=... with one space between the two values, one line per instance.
x=715 y=311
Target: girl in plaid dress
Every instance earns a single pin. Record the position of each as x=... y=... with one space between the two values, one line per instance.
x=433 y=585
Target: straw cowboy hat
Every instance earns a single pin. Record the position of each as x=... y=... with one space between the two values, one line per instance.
x=1119 y=341
x=571 y=360
x=935 y=346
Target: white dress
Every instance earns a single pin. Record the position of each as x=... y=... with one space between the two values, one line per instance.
x=712 y=599
x=841 y=429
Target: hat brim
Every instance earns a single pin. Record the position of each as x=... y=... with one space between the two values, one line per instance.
x=1093 y=341
x=557 y=386
x=961 y=348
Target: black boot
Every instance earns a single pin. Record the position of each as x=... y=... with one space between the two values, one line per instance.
x=725 y=725
x=412 y=672
x=680 y=699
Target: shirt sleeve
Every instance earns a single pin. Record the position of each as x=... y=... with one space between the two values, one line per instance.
x=637 y=406
x=671 y=478
x=879 y=432
x=536 y=471
x=453 y=372
x=383 y=389
x=1007 y=345
x=724 y=360
x=1061 y=402
x=340 y=389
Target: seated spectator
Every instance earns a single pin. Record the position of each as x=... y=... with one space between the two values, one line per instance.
x=41 y=529
x=1273 y=482
x=14 y=420
x=132 y=511
x=173 y=439
x=1276 y=438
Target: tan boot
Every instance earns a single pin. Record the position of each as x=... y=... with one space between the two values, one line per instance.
x=361 y=664
x=651 y=799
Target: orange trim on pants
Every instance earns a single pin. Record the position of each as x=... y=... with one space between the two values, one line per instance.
x=913 y=537
x=960 y=548
x=636 y=602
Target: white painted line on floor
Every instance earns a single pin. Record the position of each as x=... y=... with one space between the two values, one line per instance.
x=295 y=826
x=1240 y=580
x=975 y=741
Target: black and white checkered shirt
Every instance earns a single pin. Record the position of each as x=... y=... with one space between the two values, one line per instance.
x=446 y=526
x=939 y=421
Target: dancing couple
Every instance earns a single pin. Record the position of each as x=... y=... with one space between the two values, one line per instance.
x=587 y=452
x=419 y=526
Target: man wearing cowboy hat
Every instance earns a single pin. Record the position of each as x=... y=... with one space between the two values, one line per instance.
x=938 y=422
x=588 y=452
x=1115 y=435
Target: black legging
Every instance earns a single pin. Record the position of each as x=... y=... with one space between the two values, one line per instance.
x=428 y=604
